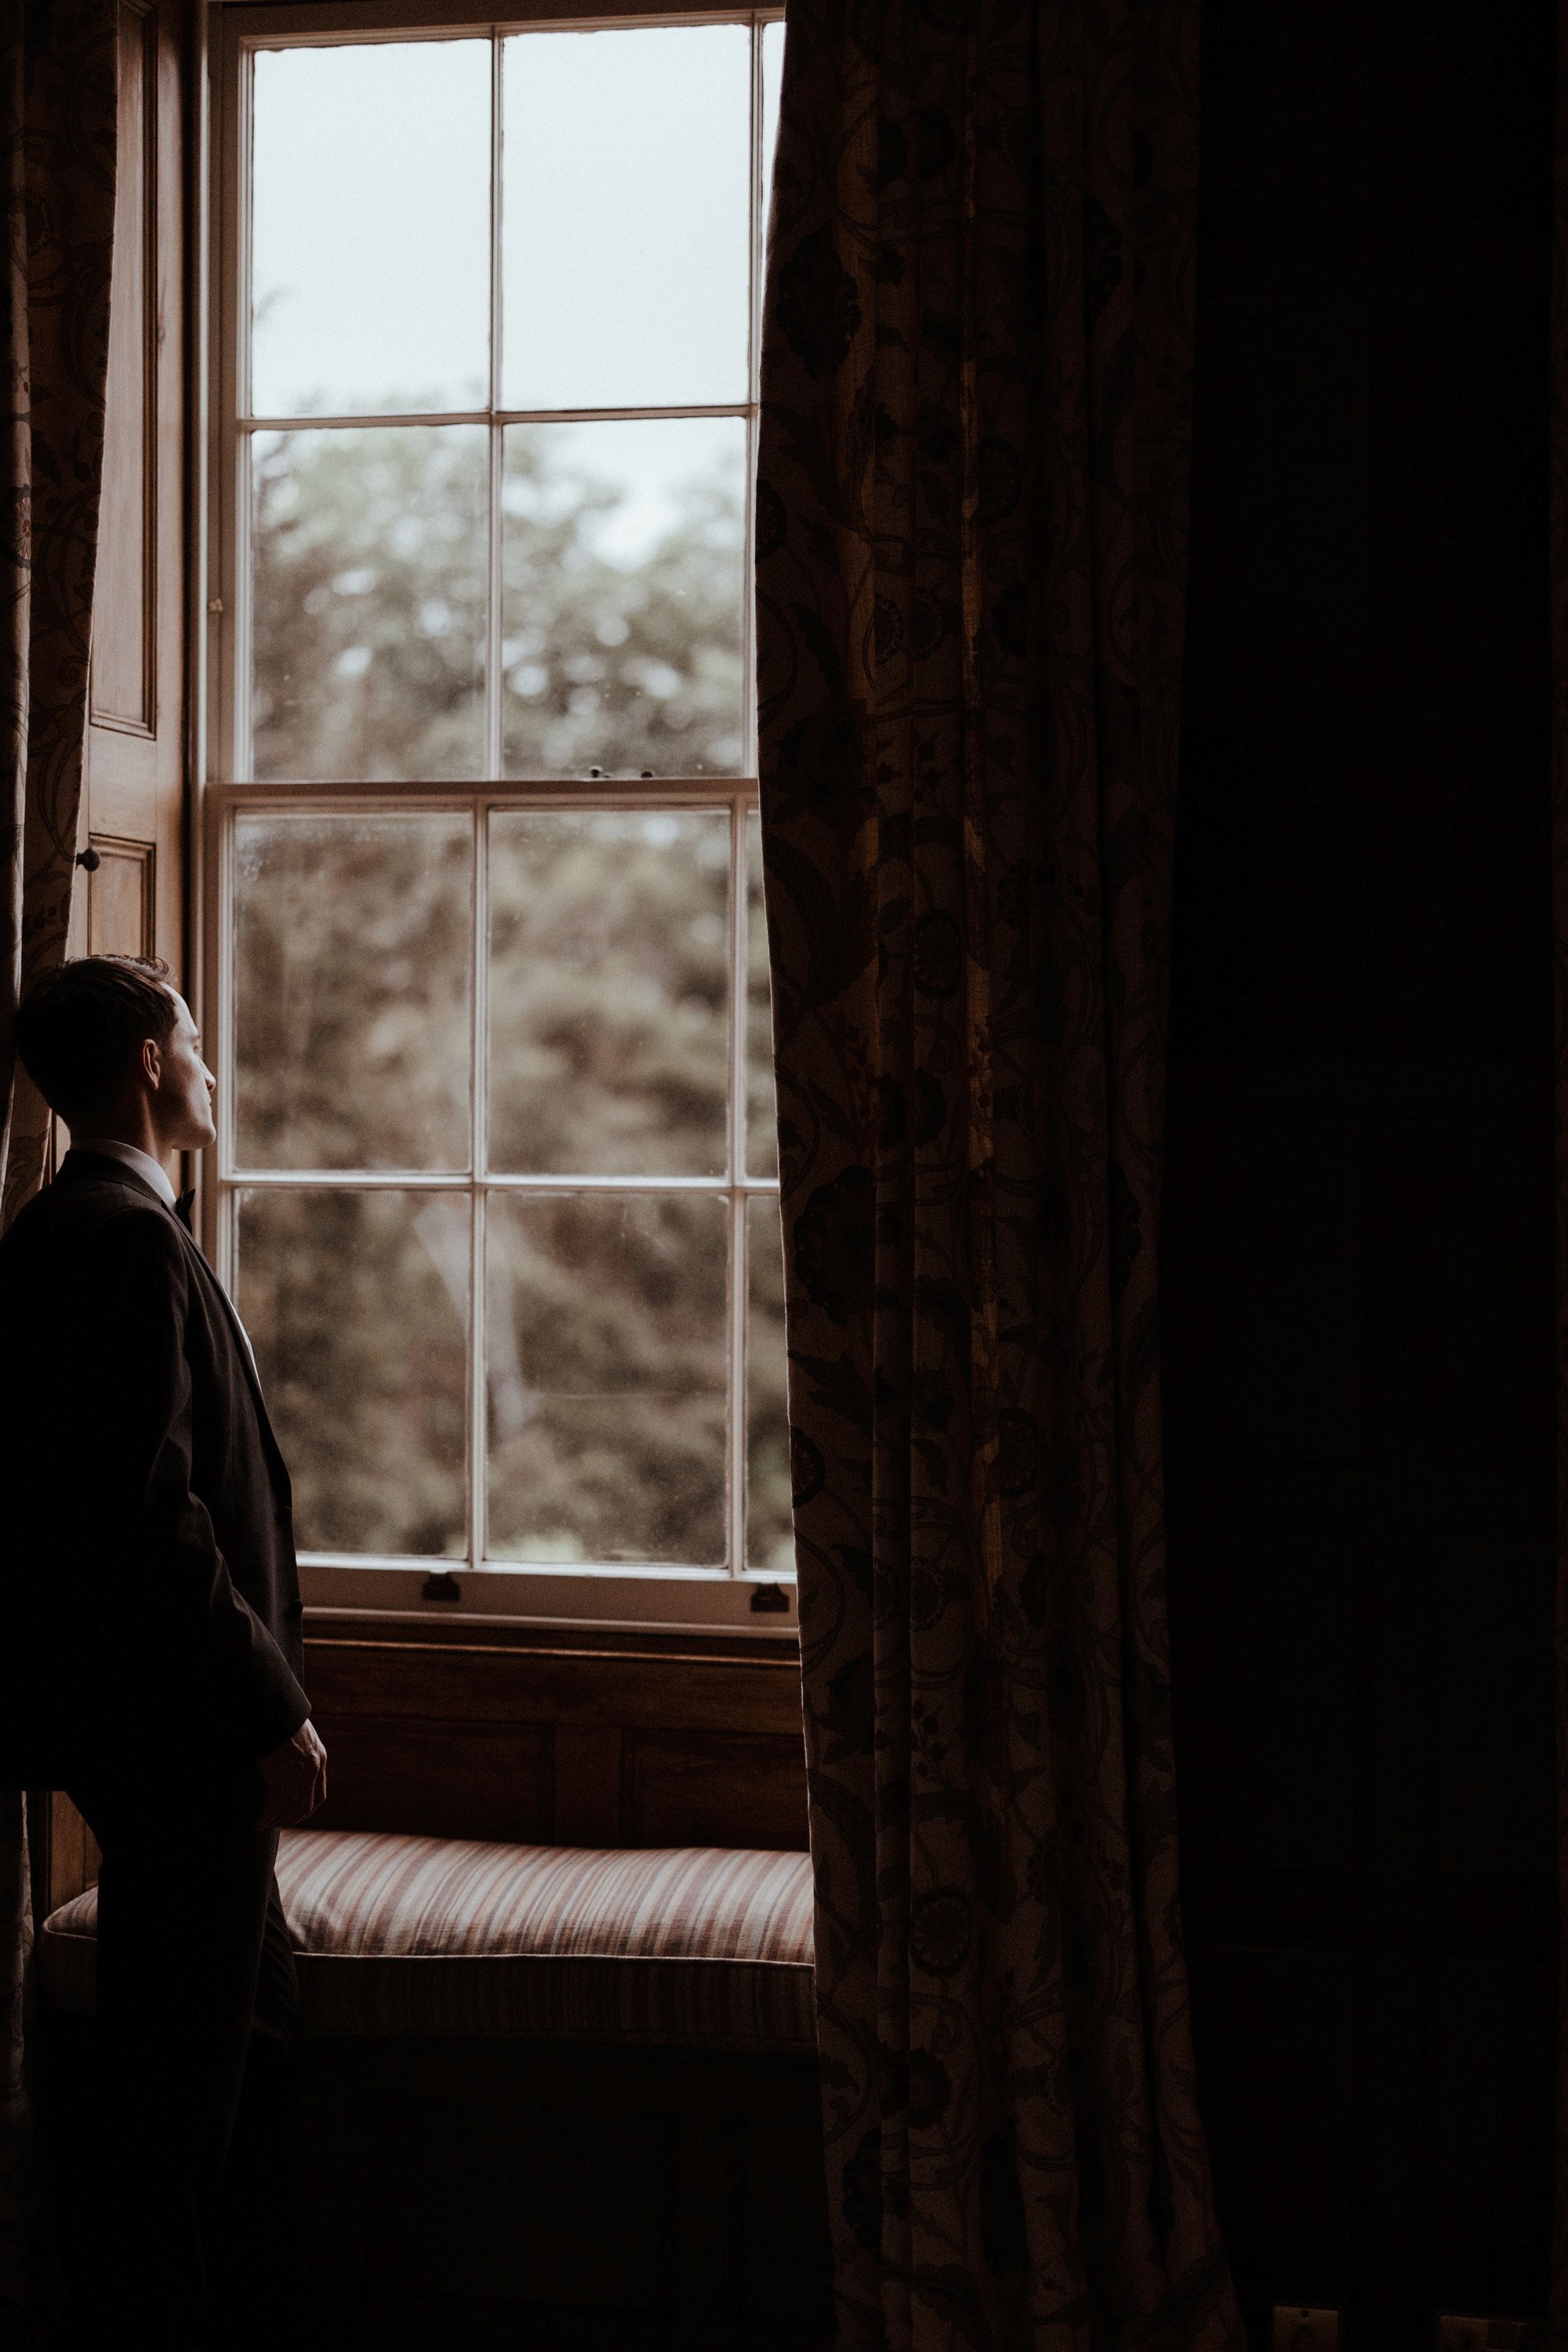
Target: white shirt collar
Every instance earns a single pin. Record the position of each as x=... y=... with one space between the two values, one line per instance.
x=140 y=1163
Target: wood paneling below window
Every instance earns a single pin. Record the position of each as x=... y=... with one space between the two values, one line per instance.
x=558 y=1735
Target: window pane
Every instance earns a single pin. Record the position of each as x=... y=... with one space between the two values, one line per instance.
x=626 y=191
x=605 y=1335
x=369 y=575
x=770 y=1539
x=356 y=1303
x=623 y=550
x=351 y=959
x=609 y=992
x=772 y=84
x=371 y=235
x=762 y=1111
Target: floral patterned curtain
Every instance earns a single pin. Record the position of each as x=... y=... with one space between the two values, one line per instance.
x=59 y=74
x=971 y=562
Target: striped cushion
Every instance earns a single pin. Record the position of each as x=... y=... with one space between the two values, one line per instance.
x=419 y=1935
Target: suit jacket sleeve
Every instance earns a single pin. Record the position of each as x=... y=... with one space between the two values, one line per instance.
x=150 y=1547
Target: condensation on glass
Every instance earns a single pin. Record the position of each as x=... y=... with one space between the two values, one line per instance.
x=499 y=1154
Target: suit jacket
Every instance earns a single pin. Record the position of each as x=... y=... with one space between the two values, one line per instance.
x=149 y=1613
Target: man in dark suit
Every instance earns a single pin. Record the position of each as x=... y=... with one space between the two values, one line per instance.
x=149 y=1653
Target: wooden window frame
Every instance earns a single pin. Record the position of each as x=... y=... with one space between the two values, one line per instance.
x=718 y=1600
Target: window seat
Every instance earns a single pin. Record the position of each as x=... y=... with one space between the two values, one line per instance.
x=697 y=1947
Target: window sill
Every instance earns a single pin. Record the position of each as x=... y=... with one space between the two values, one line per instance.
x=602 y=1598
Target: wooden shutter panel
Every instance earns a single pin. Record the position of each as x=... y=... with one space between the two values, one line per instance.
x=134 y=802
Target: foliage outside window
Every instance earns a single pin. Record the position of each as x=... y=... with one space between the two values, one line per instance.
x=498 y=1191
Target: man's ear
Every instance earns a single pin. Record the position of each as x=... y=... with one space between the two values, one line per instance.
x=151 y=1062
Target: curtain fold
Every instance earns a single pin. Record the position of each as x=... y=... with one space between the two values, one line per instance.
x=58 y=95
x=971 y=564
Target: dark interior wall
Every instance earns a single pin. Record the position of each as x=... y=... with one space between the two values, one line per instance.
x=1359 y=1270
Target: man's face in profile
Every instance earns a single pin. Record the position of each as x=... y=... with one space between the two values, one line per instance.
x=182 y=1100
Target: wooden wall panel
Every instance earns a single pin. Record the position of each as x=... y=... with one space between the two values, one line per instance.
x=125 y=615
x=403 y=1772
x=587 y=1784
x=683 y=1787
x=122 y=897
x=135 y=777
x=575 y=1739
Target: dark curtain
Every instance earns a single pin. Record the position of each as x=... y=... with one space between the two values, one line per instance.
x=971 y=564
x=58 y=70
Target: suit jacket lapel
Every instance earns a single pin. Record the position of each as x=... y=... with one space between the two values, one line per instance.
x=78 y=1165
x=241 y=1337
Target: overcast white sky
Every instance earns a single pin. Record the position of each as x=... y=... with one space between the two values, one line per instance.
x=624 y=261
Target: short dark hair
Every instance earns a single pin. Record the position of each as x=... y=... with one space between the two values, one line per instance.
x=80 y=1024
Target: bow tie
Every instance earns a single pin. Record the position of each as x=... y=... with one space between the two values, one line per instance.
x=182 y=1207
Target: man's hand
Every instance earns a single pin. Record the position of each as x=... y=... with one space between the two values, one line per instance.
x=293 y=1781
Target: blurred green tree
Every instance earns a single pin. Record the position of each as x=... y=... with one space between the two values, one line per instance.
x=606 y=1329
x=369 y=575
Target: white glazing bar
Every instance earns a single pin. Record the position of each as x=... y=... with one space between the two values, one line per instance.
x=393 y=416
x=351 y=1180
x=230 y=607
x=478 y=1398
x=302 y=797
x=737 y=1414
x=239 y=759
x=737 y=1339
x=421 y=1563
x=739 y=1299
x=480 y=1083
x=759 y=225
x=493 y=594
x=321 y=22
x=227 y=1211
x=244 y=198
x=229 y=179
x=753 y=362
x=200 y=994
x=739 y=811
x=598 y=415
x=455 y=1180
x=569 y=1183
